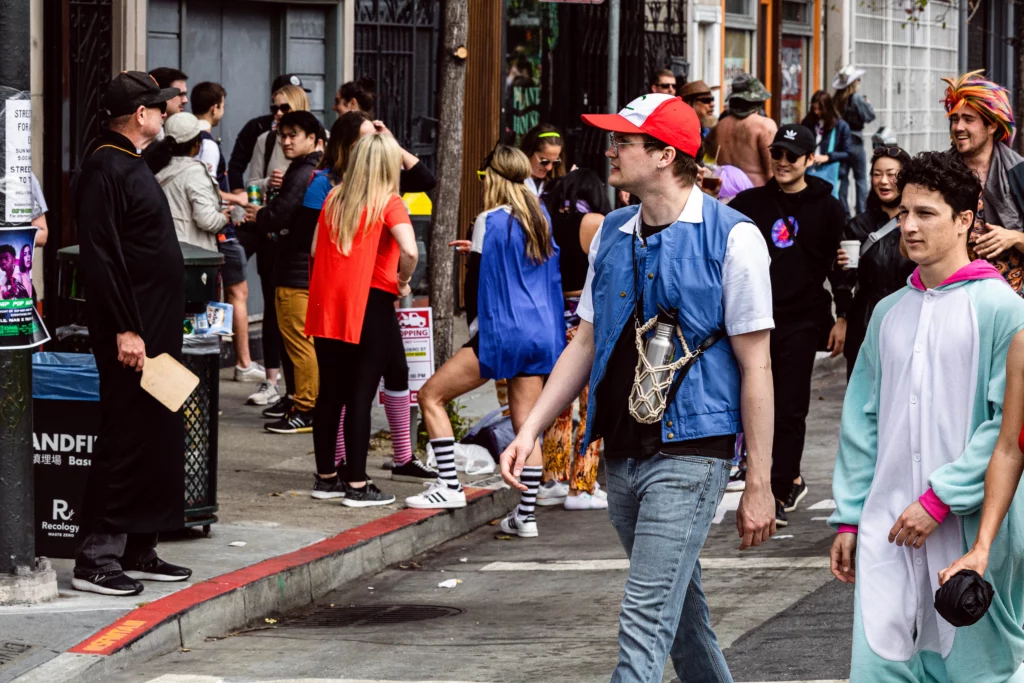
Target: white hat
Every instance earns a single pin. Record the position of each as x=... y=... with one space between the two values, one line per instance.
x=183 y=127
x=846 y=76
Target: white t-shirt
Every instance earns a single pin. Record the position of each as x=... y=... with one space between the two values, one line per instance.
x=746 y=284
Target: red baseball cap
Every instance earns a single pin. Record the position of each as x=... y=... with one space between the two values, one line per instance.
x=664 y=117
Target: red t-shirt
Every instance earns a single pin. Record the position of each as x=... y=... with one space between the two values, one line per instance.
x=340 y=285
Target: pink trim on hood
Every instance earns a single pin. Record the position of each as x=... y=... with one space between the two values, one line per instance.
x=975 y=270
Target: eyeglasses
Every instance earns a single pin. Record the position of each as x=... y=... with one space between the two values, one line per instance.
x=616 y=143
x=665 y=86
x=283 y=108
x=777 y=154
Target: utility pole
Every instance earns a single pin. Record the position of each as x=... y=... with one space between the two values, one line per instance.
x=21 y=579
x=451 y=95
x=614 y=13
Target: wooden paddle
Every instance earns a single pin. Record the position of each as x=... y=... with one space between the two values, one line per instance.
x=168 y=381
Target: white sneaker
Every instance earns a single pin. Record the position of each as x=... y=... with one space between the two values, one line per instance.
x=438 y=497
x=552 y=493
x=600 y=492
x=266 y=394
x=254 y=373
x=587 y=501
x=524 y=528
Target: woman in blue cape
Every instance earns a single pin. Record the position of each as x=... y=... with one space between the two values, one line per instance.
x=514 y=308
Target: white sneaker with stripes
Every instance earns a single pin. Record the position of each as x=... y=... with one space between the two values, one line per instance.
x=522 y=527
x=438 y=497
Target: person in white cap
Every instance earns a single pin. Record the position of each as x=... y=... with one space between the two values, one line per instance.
x=855 y=109
x=669 y=437
x=191 y=193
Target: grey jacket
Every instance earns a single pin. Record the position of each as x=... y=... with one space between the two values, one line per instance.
x=194 y=201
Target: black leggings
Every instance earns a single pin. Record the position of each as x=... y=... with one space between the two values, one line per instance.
x=349 y=377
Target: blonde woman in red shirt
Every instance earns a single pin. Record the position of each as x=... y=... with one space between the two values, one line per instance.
x=364 y=255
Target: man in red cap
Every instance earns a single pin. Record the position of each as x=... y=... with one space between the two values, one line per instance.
x=697 y=271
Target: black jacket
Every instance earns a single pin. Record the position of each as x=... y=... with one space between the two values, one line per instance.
x=801 y=264
x=882 y=270
x=280 y=220
x=245 y=143
x=841 y=151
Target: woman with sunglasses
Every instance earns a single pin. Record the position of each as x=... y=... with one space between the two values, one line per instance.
x=832 y=135
x=882 y=269
x=577 y=206
x=543 y=146
x=267 y=166
x=514 y=307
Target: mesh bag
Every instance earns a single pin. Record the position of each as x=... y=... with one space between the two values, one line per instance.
x=651 y=383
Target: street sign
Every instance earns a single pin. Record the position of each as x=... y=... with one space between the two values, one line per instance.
x=417 y=326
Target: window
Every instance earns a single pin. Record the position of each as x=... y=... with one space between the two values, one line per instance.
x=741 y=7
x=796 y=12
x=738 y=53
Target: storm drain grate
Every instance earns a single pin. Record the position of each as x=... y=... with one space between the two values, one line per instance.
x=10 y=652
x=370 y=615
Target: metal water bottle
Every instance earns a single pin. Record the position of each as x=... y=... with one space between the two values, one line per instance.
x=660 y=351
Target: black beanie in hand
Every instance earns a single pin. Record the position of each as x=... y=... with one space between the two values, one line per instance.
x=964 y=599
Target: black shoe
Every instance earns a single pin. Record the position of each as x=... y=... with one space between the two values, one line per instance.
x=413 y=471
x=158 y=570
x=107 y=583
x=279 y=409
x=780 y=515
x=295 y=422
x=795 y=495
x=326 y=489
x=368 y=496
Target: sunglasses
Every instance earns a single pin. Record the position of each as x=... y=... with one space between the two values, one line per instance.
x=549 y=162
x=777 y=154
x=665 y=86
x=888 y=151
x=706 y=100
x=283 y=108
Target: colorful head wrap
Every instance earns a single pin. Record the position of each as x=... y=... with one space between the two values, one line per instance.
x=991 y=100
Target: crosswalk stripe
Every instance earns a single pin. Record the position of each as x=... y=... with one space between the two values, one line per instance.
x=728 y=563
x=185 y=678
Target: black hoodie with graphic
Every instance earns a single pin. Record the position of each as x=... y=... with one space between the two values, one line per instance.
x=803 y=253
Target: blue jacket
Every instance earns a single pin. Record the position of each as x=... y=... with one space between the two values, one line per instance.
x=519 y=303
x=680 y=268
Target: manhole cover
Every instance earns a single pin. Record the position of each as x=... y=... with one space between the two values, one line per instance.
x=10 y=652
x=370 y=615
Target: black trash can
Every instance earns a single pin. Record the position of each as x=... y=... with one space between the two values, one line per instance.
x=201 y=356
x=66 y=423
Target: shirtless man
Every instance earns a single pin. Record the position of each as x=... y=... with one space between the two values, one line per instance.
x=743 y=136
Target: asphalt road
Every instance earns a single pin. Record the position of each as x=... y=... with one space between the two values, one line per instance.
x=545 y=609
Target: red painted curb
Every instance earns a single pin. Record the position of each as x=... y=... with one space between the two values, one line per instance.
x=137 y=623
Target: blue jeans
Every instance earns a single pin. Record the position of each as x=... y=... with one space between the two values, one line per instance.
x=662 y=509
x=858 y=163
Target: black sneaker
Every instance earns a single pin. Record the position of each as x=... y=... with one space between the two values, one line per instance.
x=780 y=515
x=295 y=422
x=413 y=471
x=279 y=409
x=795 y=495
x=326 y=489
x=158 y=570
x=368 y=496
x=107 y=583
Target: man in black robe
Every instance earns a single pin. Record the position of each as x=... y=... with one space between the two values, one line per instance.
x=134 y=273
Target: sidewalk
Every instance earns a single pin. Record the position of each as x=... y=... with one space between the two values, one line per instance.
x=312 y=547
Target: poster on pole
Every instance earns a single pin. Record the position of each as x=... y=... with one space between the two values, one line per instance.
x=417 y=326
x=15 y=182
x=20 y=324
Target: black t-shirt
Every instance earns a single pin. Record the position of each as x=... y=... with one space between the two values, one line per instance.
x=624 y=437
x=572 y=260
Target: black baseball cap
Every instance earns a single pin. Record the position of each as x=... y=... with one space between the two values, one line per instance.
x=133 y=89
x=287 y=79
x=795 y=138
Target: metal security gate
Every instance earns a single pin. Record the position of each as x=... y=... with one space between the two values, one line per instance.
x=652 y=37
x=396 y=44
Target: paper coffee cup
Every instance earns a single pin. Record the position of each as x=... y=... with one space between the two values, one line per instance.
x=852 y=249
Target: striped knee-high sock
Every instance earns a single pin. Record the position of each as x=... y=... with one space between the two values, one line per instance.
x=528 y=500
x=444 y=452
x=339 y=444
x=396 y=407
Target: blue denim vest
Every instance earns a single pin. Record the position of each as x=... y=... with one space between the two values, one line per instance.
x=679 y=268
